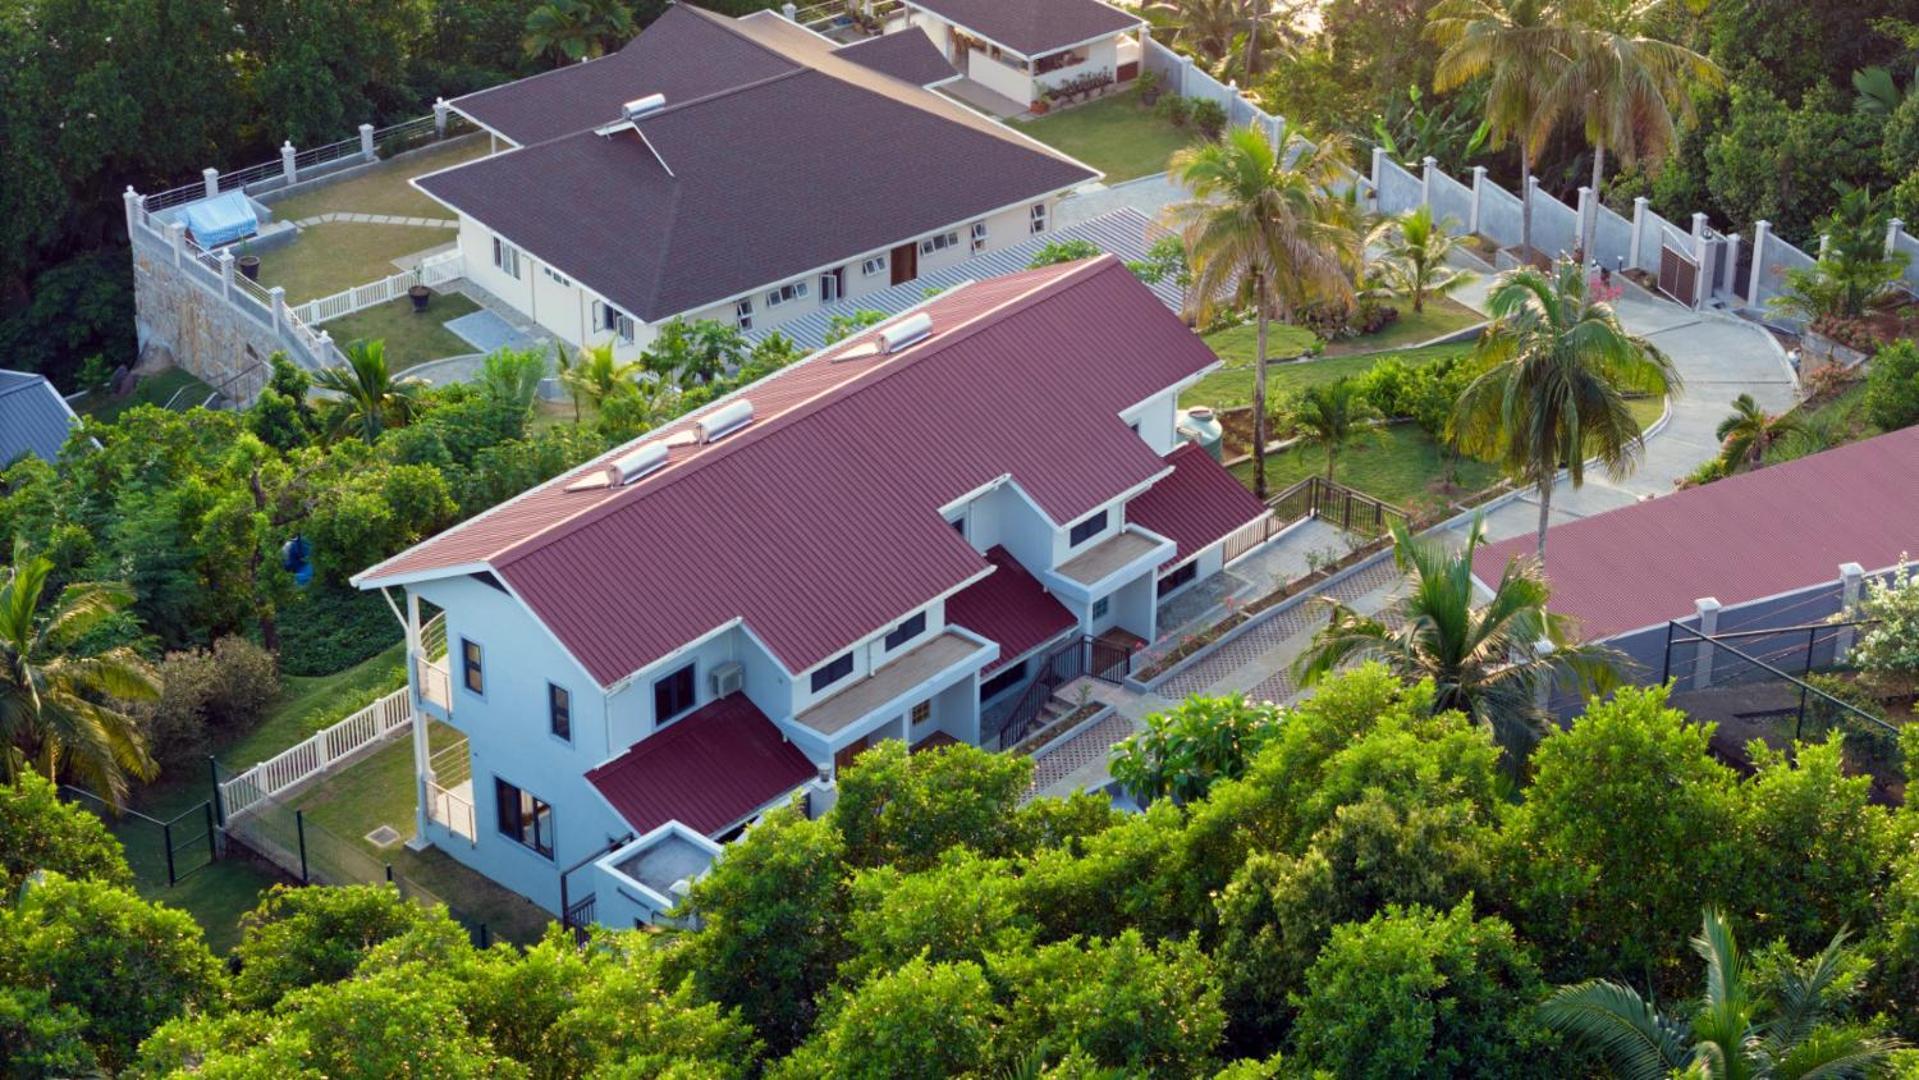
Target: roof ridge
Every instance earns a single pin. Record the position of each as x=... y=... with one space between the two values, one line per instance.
x=1074 y=274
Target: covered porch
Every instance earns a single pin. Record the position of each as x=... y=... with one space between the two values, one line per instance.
x=932 y=688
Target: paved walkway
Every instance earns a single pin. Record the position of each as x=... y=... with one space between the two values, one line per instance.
x=378 y=219
x=1147 y=194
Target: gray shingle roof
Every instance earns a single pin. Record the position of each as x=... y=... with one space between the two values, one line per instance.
x=34 y=418
x=908 y=55
x=1033 y=27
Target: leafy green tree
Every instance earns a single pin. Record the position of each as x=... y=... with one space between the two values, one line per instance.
x=1411 y=992
x=1733 y=1030
x=1556 y=366
x=1751 y=432
x=1263 y=227
x=512 y=378
x=902 y=809
x=123 y=964
x=40 y=832
x=371 y=398
x=1892 y=387
x=922 y=1020
x=1332 y=415
x=1185 y=749
x=39 y=1038
x=1416 y=252
x=60 y=699
x=1494 y=661
x=1894 y=945
x=1887 y=651
x=694 y=352
x=1063 y=251
x=570 y=30
x=1855 y=271
x=1617 y=801
x=961 y=909
x=841 y=327
x=301 y=937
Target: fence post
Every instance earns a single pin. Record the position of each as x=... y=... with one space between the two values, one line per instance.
x=166 y=839
x=226 y=274
x=1761 y=232
x=366 y=143
x=219 y=803
x=1584 y=218
x=289 y=165
x=1825 y=245
x=1479 y=198
x=1427 y=167
x=791 y=11
x=440 y=109
x=1665 y=665
x=131 y=199
x=1703 y=287
x=210 y=176
x=1892 y=234
x=1732 y=261
x=300 y=829
x=177 y=236
x=1851 y=577
x=1639 y=208
x=1379 y=168
x=279 y=295
x=1708 y=608
x=1185 y=76
x=1529 y=199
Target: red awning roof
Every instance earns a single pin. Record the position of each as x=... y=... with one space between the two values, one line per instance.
x=709 y=770
x=1197 y=506
x=1783 y=528
x=1009 y=606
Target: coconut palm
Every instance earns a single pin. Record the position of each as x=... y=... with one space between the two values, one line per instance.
x=1416 y=249
x=1332 y=414
x=1213 y=30
x=1263 y=231
x=58 y=699
x=1622 y=86
x=596 y=375
x=1557 y=368
x=1512 y=43
x=371 y=399
x=1492 y=662
x=1747 y=435
x=569 y=30
x=1733 y=1031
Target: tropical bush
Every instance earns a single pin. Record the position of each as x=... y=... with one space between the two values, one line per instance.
x=1888 y=651
x=1185 y=750
x=1892 y=387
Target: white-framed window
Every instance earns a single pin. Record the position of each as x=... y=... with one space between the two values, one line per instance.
x=1036 y=218
x=786 y=294
x=556 y=277
x=979 y=237
x=874 y=265
x=507 y=258
x=743 y=313
x=939 y=243
x=608 y=317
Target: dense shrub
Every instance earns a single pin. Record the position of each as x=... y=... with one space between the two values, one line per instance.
x=922 y=1020
x=302 y=937
x=331 y=628
x=207 y=694
x=903 y=809
x=39 y=832
x=1892 y=386
x=1209 y=117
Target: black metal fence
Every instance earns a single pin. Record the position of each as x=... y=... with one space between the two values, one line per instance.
x=159 y=851
x=1090 y=657
x=1337 y=504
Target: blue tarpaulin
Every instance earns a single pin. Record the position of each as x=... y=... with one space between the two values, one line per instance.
x=221 y=219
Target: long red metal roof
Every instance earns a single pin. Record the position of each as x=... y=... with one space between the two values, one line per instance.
x=1758 y=534
x=708 y=770
x=819 y=522
x=1011 y=607
x=1197 y=506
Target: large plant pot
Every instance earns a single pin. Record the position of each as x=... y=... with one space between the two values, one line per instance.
x=249 y=267
x=419 y=294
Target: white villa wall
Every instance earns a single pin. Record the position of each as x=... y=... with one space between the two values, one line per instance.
x=1158 y=419
x=1005 y=517
x=936 y=28
x=999 y=77
x=1100 y=56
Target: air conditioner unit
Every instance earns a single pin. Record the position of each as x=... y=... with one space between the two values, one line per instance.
x=728 y=678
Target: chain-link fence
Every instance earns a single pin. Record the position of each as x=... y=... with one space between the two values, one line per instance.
x=159 y=851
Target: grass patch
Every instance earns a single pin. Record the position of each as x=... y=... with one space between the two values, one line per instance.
x=411 y=337
x=1115 y=135
x=155 y=389
x=338 y=255
x=1441 y=317
x=1842 y=416
x=382 y=189
x=1233 y=385
x=1647 y=410
x=1400 y=466
x=306 y=701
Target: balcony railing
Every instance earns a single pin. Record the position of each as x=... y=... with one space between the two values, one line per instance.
x=436 y=686
x=452 y=808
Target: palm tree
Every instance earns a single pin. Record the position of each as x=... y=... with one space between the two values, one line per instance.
x=1623 y=86
x=371 y=398
x=570 y=30
x=57 y=700
x=1733 y=1031
x=1557 y=366
x=1416 y=250
x=1492 y=662
x=1512 y=42
x=596 y=375
x=1751 y=431
x=1212 y=29
x=1258 y=229
x=1331 y=414
x=513 y=377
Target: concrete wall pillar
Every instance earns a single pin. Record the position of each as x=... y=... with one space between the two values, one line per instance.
x=1892 y=234
x=440 y=112
x=226 y=274
x=210 y=179
x=1185 y=87
x=1761 y=232
x=1379 y=166
x=1479 y=198
x=1732 y=259
x=1825 y=244
x=1852 y=579
x=366 y=143
x=289 y=163
x=1427 y=168
x=1530 y=202
x=791 y=11
x=1639 y=211
x=1701 y=251
x=1708 y=609
x=279 y=296
x=1587 y=226
x=131 y=199
x=177 y=237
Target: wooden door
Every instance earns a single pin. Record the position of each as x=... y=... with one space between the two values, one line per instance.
x=905 y=261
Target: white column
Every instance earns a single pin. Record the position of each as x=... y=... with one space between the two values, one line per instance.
x=1185 y=76
x=1427 y=168
x=1732 y=259
x=1530 y=204
x=279 y=296
x=440 y=111
x=1639 y=206
x=1825 y=244
x=1892 y=234
x=177 y=236
x=1587 y=226
x=1852 y=578
x=366 y=143
x=210 y=177
x=422 y=753
x=226 y=274
x=1700 y=246
x=1479 y=197
x=289 y=167
x=131 y=199
x=1708 y=608
x=791 y=11
x=1761 y=232
x=1379 y=166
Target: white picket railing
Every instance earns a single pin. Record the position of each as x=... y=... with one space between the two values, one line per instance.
x=433 y=271
x=325 y=750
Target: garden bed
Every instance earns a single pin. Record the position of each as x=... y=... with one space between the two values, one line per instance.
x=1053 y=732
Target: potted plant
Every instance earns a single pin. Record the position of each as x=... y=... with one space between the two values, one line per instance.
x=248 y=262
x=1149 y=88
x=419 y=294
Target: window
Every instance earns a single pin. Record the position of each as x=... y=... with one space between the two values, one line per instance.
x=743 y=314
x=922 y=712
x=559 y=711
x=786 y=294
x=906 y=631
x=523 y=818
x=1006 y=679
x=833 y=672
x=673 y=695
x=939 y=243
x=556 y=277
x=1036 y=218
x=612 y=318
x=1178 y=577
x=471 y=671
x=507 y=258
x=979 y=237
x=1087 y=529
x=872 y=266
x=1101 y=606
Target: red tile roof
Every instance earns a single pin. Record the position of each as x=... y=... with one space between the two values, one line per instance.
x=1197 y=506
x=708 y=770
x=818 y=523
x=1009 y=606
x=1758 y=534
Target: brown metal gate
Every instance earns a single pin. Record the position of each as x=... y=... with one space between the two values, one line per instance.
x=1678 y=276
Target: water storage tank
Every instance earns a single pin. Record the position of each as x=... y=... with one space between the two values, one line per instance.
x=1201 y=426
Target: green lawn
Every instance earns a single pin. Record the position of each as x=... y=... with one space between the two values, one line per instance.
x=411 y=337
x=1400 y=465
x=174 y=384
x=1840 y=417
x=1441 y=317
x=383 y=189
x=308 y=703
x=1115 y=135
x=1233 y=385
x=336 y=256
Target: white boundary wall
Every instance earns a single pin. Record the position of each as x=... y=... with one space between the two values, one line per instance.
x=382 y=720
